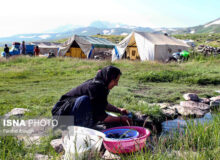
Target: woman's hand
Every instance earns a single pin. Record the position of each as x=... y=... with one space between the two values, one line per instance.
x=123 y=111
x=125 y=120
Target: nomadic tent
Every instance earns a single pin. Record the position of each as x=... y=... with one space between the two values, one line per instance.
x=147 y=46
x=46 y=47
x=86 y=47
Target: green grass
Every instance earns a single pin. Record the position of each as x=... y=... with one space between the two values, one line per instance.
x=212 y=39
x=38 y=83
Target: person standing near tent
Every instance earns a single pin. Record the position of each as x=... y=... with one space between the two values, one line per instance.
x=88 y=102
x=36 y=51
x=6 y=50
x=184 y=55
x=23 y=48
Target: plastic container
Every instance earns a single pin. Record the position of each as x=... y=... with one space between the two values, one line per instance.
x=119 y=134
x=127 y=145
x=81 y=141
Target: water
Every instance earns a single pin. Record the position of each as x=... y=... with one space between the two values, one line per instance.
x=180 y=124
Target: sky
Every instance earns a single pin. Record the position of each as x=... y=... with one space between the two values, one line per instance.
x=31 y=16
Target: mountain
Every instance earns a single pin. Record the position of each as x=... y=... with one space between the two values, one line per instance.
x=96 y=27
x=107 y=28
x=211 y=27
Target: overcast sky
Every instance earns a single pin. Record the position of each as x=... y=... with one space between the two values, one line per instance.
x=35 y=16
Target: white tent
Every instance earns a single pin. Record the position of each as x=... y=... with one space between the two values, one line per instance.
x=147 y=46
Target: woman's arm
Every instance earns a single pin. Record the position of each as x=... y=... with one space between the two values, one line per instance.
x=112 y=108
x=122 y=119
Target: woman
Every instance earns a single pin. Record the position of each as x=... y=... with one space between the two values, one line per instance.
x=87 y=103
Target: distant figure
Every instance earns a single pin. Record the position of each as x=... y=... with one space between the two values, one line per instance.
x=177 y=55
x=6 y=50
x=36 y=51
x=23 y=48
x=51 y=54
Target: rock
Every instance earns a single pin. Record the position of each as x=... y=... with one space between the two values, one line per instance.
x=41 y=157
x=163 y=105
x=57 y=145
x=218 y=91
x=191 y=97
x=184 y=154
x=109 y=156
x=16 y=112
x=189 y=111
x=214 y=104
x=170 y=111
x=30 y=140
x=204 y=100
x=215 y=98
x=196 y=105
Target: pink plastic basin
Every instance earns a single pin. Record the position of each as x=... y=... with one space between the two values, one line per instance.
x=127 y=145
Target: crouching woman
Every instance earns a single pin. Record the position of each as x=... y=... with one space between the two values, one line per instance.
x=87 y=103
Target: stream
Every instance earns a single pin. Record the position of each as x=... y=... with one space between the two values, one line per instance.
x=169 y=126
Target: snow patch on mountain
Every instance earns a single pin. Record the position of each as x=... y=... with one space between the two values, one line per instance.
x=124 y=34
x=212 y=23
x=28 y=37
x=106 y=32
x=45 y=36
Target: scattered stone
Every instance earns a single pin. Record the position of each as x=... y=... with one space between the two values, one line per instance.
x=190 y=111
x=30 y=140
x=16 y=112
x=195 y=105
x=218 y=91
x=184 y=154
x=215 y=98
x=214 y=104
x=170 y=112
x=204 y=100
x=191 y=97
x=163 y=105
x=110 y=156
x=41 y=157
x=57 y=145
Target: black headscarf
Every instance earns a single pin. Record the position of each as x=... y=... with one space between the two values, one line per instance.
x=107 y=74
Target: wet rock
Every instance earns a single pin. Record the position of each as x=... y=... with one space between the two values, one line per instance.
x=194 y=105
x=57 y=145
x=16 y=112
x=191 y=97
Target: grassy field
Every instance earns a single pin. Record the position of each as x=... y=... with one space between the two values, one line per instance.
x=38 y=83
x=205 y=38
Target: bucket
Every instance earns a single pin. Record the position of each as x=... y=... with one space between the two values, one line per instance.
x=121 y=133
x=122 y=146
x=80 y=142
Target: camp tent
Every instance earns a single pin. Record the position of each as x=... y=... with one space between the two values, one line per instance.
x=86 y=47
x=46 y=47
x=147 y=46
